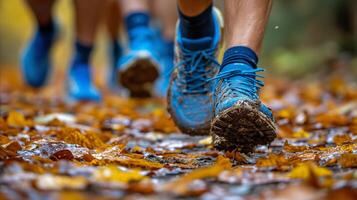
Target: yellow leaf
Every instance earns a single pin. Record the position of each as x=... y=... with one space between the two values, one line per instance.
x=206 y=141
x=54 y=182
x=182 y=184
x=16 y=119
x=301 y=134
x=309 y=170
x=74 y=136
x=113 y=174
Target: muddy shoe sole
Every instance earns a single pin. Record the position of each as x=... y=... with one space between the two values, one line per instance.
x=139 y=77
x=242 y=127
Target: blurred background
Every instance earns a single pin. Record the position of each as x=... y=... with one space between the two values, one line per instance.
x=303 y=39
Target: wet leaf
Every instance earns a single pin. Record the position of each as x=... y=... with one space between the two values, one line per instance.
x=291 y=148
x=341 y=139
x=348 y=160
x=309 y=170
x=62 y=155
x=273 y=160
x=112 y=173
x=182 y=185
x=53 y=182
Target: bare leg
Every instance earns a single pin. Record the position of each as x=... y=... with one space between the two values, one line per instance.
x=87 y=18
x=165 y=11
x=129 y=6
x=192 y=8
x=113 y=18
x=245 y=22
x=42 y=10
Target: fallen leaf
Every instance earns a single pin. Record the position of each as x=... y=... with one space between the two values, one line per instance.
x=273 y=160
x=301 y=134
x=57 y=182
x=292 y=149
x=16 y=119
x=341 y=139
x=112 y=173
x=182 y=185
x=308 y=170
x=64 y=154
x=348 y=160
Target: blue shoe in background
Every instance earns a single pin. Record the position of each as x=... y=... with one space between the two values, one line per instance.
x=35 y=60
x=167 y=64
x=190 y=91
x=80 y=86
x=115 y=53
x=139 y=68
x=241 y=120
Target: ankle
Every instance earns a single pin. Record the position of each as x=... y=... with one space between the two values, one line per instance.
x=46 y=29
x=82 y=53
x=240 y=54
x=201 y=25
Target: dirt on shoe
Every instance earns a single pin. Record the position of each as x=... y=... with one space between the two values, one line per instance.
x=242 y=127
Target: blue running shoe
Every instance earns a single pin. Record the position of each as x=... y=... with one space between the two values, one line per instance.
x=241 y=120
x=35 y=60
x=190 y=91
x=80 y=86
x=140 y=67
x=115 y=54
x=167 y=63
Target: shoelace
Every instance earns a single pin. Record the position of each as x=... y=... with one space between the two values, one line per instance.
x=244 y=86
x=194 y=71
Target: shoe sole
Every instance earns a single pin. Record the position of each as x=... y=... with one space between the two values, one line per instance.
x=242 y=127
x=139 y=77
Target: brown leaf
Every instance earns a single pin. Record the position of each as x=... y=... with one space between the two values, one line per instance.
x=13 y=146
x=4 y=139
x=273 y=160
x=348 y=160
x=341 y=139
x=62 y=155
x=237 y=156
x=292 y=149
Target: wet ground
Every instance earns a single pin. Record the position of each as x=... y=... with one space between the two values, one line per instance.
x=130 y=149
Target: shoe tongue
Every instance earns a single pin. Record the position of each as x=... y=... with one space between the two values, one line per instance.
x=197 y=44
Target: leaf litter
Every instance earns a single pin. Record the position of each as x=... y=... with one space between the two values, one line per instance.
x=130 y=149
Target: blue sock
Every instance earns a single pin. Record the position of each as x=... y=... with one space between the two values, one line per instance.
x=198 y=26
x=117 y=50
x=240 y=54
x=137 y=19
x=82 y=53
